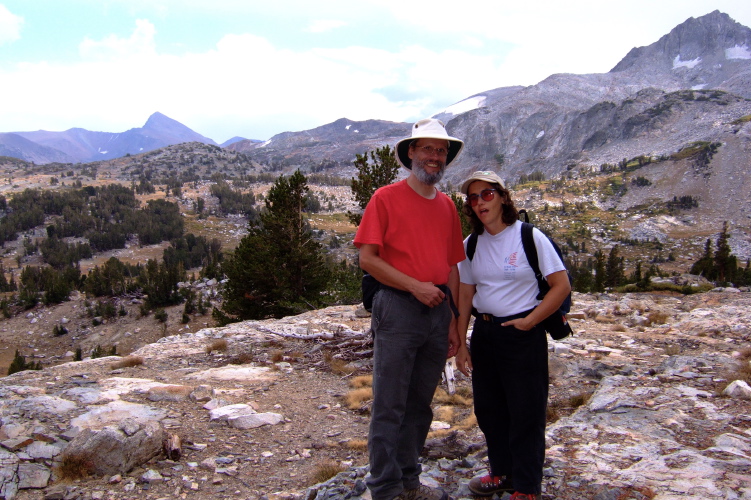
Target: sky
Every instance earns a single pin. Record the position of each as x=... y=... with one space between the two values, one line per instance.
x=253 y=69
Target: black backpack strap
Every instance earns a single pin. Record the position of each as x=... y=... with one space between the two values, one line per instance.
x=523 y=215
x=471 y=245
x=530 y=250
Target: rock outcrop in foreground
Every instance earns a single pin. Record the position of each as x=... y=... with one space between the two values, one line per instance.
x=645 y=396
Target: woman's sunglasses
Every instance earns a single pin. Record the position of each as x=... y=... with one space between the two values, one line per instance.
x=485 y=194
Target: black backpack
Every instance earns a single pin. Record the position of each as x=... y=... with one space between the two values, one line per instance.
x=556 y=324
x=370 y=286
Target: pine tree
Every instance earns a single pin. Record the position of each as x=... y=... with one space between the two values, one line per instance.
x=370 y=177
x=581 y=274
x=19 y=364
x=278 y=269
x=725 y=263
x=614 y=272
x=636 y=277
x=705 y=265
x=463 y=219
x=599 y=284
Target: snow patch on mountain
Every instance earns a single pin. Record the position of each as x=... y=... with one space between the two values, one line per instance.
x=465 y=105
x=678 y=63
x=738 y=52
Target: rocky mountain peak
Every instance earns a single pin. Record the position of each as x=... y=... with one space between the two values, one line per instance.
x=160 y=121
x=706 y=42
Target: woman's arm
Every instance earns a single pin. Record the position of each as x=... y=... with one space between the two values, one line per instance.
x=463 y=360
x=560 y=287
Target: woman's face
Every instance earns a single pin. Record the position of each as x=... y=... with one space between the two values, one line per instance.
x=489 y=211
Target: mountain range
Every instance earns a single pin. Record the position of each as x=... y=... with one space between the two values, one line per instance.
x=80 y=145
x=693 y=84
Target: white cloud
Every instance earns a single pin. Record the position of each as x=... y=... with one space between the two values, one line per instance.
x=140 y=43
x=245 y=79
x=252 y=86
x=10 y=25
x=324 y=25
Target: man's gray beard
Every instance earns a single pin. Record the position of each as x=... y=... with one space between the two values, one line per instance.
x=418 y=168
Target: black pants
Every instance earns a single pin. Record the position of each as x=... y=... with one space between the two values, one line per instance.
x=510 y=384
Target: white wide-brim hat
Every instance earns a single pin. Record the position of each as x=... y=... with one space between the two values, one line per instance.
x=428 y=128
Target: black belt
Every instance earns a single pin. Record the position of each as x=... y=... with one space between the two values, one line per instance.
x=444 y=288
x=498 y=319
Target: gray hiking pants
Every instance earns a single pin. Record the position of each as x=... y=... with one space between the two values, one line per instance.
x=410 y=347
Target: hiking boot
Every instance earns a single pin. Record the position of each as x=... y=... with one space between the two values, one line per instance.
x=423 y=492
x=525 y=496
x=487 y=485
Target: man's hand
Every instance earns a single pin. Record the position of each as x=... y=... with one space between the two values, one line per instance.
x=428 y=294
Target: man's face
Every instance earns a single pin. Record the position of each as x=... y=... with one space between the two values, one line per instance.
x=429 y=159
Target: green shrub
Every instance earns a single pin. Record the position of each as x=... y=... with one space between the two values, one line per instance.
x=161 y=315
x=19 y=364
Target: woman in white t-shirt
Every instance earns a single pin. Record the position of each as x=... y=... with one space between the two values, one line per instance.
x=509 y=356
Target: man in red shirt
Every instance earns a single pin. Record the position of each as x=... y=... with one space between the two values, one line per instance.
x=410 y=240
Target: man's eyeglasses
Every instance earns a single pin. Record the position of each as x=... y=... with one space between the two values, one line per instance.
x=429 y=150
x=485 y=194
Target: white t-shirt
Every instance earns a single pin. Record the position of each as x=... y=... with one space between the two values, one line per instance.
x=506 y=283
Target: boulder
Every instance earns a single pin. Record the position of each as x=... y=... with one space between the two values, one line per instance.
x=118 y=449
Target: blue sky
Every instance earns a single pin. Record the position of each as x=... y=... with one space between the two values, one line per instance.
x=254 y=69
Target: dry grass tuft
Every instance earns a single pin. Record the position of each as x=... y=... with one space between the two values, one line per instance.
x=361 y=381
x=672 y=350
x=340 y=367
x=445 y=414
x=465 y=425
x=556 y=407
x=440 y=433
x=326 y=471
x=443 y=397
x=742 y=372
x=277 y=356
x=465 y=391
x=217 y=345
x=127 y=362
x=657 y=318
x=74 y=466
x=578 y=399
x=357 y=444
x=619 y=327
x=552 y=414
x=242 y=359
x=357 y=398
x=178 y=390
x=468 y=423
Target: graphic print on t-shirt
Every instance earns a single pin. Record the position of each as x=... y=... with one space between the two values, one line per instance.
x=510 y=267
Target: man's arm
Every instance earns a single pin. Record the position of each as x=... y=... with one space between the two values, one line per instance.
x=372 y=263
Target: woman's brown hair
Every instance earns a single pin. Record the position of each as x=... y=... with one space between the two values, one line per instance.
x=509 y=213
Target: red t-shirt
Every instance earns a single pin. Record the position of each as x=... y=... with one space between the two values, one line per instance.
x=420 y=237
